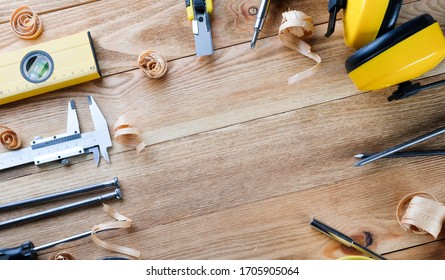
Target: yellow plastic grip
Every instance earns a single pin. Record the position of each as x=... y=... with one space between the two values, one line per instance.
x=355 y=258
x=189 y=8
x=209 y=5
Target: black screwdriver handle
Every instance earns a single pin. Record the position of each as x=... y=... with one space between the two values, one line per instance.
x=22 y=252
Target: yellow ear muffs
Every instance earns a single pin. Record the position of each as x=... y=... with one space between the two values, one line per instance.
x=398 y=56
x=363 y=20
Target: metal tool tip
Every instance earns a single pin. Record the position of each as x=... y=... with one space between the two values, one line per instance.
x=72 y=105
x=359 y=163
x=254 y=39
x=115 y=182
x=118 y=193
x=312 y=221
x=90 y=100
x=359 y=156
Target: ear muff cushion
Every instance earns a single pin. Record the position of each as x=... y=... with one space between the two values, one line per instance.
x=404 y=53
x=388 y=40
x=391 y=15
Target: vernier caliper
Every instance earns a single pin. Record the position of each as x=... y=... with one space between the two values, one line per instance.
x=69 y=144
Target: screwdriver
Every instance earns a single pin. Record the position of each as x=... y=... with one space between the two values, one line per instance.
x=27 y=250
x=399 y=147
x=343 y=239
x=261 y=18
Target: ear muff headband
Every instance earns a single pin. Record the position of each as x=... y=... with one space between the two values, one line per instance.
x=364 y=20
x=390 y=19
x=404 y=53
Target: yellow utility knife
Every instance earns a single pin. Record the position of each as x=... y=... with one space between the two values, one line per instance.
x=198 y=12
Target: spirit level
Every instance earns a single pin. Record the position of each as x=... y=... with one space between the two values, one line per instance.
x=48 y=66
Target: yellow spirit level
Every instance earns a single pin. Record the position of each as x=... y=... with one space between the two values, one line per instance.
x=48 y=66
x=363 y=20
x=398 y=56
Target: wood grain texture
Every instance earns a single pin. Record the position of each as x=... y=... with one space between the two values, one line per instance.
x=282 y=163
x=429 y=251
x=40 y=7
x=156 y=27
x=237 y=165
x=180 y=105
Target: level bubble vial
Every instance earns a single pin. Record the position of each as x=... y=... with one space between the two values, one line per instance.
x=37 y=66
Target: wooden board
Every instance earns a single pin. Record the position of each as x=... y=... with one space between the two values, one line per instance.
x=237 y=162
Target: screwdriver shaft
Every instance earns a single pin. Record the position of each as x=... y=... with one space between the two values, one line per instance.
x=55 y=243
x=259 y=23
x=68 y=239
x=401 y=146
x=407 y=154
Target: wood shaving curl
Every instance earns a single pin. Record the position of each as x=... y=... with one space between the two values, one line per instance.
x=9 y=138
x=25 y=23
x=152 y=64
x=126 y=135
x=121 y=222
x=423 y=215
x=61 y=256
x=295 y=26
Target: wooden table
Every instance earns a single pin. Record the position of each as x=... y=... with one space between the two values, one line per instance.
x=238 y=161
